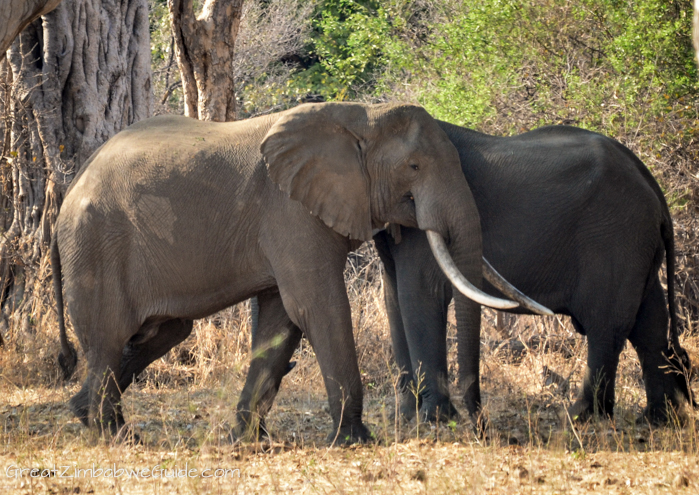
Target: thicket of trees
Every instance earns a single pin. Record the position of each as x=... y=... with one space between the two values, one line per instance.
x=83 y=72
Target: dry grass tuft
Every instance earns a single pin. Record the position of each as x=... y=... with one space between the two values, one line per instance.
x=183 y=405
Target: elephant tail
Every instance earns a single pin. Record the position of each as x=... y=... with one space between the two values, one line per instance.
x=668 y=236
x=68 y=358
x=680 y=360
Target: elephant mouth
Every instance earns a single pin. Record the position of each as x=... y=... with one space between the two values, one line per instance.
x=462 y=284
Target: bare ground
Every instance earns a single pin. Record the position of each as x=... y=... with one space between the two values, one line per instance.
x=183 y=406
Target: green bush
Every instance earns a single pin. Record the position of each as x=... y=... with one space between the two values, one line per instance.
x=352 y=41
x=475 y=62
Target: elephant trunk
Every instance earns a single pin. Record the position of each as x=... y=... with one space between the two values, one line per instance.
x=454 y=217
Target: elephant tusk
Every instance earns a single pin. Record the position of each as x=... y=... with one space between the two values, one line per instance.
x=499 y=282
x=446 y=263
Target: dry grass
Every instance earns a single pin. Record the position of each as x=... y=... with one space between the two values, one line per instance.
x=184 y=403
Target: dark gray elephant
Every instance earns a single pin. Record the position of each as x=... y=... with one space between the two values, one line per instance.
x=576 y=221
x=174 y=219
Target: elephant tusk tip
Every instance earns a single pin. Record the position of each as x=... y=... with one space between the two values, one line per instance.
x=499 y=282
x=542 y=310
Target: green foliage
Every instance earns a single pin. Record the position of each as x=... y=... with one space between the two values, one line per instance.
x=352 y=40
x=159 y=31
x=166 y=76
x=473 y=62
x=502 y=66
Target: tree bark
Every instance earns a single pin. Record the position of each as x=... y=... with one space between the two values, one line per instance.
x=204 y=50
x=72 y=79
x=15 y=15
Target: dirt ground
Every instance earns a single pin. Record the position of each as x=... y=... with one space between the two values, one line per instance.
x=183 y=406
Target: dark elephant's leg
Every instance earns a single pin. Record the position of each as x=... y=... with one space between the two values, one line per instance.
x=423 y=296
x=604 y=312
x=665 y=383
x=425 y=320
x=603 y=349
x=401 y=351
x=468 y=316
x=275 y=339
x=136 y=357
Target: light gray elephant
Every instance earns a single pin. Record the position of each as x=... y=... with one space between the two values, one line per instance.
x=174 y=219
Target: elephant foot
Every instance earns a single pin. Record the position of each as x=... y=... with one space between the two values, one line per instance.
x=80 y=405
x=249 y=428
x=249 y=435
x=583 y=410
x=407 y=407
x=127 y=436
x=112 y=423
x=351 y=434
x=442 y=412
x=668 y=414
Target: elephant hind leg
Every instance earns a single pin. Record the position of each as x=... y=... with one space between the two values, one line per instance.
x=274 y=342
x=138 y=355
x=80 y=403
x=664 y=370
x=135 y=357
x=99 y=401
x=604 y=346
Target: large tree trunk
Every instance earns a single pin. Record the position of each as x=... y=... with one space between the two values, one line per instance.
x=72 y=80
x=204 y=50
x=15 y=15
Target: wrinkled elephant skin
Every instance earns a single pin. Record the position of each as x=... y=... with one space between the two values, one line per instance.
x=174 y=219
x=577 y=222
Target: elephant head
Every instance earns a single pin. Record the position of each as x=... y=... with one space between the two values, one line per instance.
x=358 y=167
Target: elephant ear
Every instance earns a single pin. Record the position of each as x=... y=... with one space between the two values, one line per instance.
x=315 y=157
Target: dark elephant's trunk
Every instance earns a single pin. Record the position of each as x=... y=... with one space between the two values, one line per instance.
x=454 y=215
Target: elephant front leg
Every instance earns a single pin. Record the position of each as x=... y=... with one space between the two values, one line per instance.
x=408 y=395
x=425 y=323
x=468 y=317
x=417 y=296
x=274 y=341
x=324 y=315
x=408 y=401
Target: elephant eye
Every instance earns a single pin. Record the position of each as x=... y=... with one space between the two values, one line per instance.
x=414 y=167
